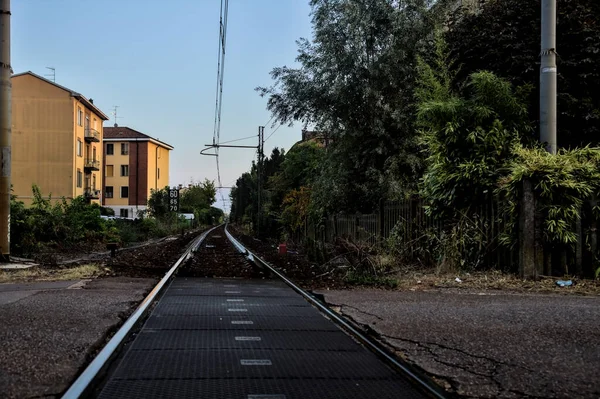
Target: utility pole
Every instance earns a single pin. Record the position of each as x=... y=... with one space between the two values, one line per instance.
x=5 y=127
x=261 y=143
x=548 y=77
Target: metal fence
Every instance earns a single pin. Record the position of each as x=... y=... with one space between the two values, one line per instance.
x=416 y=235
x=418 y=232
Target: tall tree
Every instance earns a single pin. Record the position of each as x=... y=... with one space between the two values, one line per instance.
x=355 y=81
x=198 y=196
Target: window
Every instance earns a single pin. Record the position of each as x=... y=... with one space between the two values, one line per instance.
x=109 y=192
x=110 y=149
x=110 y=170
x=94 y=182
x=125 y=192
x=94 y=126
x=158 y=173
x=79 y=116
x=124 y=212
x=87 y=122
x=79 y=148
x=124 y=170
x=94 y=154
x=124 y=148
x=79 y=178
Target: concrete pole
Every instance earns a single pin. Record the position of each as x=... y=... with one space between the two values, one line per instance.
x=259 y=176
x=5 y=128
x=548 y=76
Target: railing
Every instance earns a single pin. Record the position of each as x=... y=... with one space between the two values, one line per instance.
x=408 y=224
x=92 y=164
x=90 y=193
x=92 y=135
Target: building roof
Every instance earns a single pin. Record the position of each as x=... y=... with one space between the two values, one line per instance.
x=124 y=133
x=79 y=96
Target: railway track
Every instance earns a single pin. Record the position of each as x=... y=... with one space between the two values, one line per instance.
x=223 y=324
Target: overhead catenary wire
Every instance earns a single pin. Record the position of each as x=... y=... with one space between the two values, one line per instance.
x=224 y=11
x=265 y=124
x=243 y=138
x=273 y=132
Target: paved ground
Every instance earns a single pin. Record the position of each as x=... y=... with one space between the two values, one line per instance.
x=482 y=345
x=48 y=330
x=489 y=345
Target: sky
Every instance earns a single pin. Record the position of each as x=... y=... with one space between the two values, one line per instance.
x=157 y=61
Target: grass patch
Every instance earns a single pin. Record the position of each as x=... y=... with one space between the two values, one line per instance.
x=43 y=274
x=369 y=280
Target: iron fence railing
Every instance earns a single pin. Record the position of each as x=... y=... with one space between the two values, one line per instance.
x=408 y=223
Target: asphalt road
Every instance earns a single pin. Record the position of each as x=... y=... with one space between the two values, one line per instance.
x=49 y=330
x=485 y=345
x=481 y=345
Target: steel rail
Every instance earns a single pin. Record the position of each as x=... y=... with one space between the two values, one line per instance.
x=415 y=378
x=85 y=379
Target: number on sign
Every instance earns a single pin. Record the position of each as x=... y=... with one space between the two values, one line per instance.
x=174 y=200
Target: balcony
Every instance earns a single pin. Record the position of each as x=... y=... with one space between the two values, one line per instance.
x=91 y=164
x=92 y=135
x=91 y=193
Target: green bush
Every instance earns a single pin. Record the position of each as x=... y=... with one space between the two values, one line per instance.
x=561 y=183
x=63 y=224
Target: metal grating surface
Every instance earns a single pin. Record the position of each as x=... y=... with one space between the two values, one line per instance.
x=275 y=340
x=197 y=309
x=229 y=300
x=265 y=342
x=243 y=388
x=315 y=323
x=198 y=364
x=199 y=282
x=236 y=291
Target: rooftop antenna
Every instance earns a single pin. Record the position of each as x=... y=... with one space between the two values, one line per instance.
x=115 y=117
x=52 y=74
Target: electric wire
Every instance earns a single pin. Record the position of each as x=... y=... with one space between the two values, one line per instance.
x=224 y=11
x=273 y=132
x=269 y=120
x=244 y=138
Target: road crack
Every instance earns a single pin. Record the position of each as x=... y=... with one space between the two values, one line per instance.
x=461 y=351
x=357 y=309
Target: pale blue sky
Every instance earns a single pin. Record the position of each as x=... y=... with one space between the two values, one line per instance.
x=157 y=60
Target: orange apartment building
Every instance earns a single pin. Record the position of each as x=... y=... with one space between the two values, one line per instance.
x=135 y=163
x=56 y=140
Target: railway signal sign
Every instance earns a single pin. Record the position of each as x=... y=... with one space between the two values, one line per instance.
x=174 y=200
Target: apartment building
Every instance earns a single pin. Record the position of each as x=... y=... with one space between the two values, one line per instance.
x=135 y=163
x=56 y=140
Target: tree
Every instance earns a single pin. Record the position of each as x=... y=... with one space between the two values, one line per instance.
x=504 y=38
x=243 y=196
x=198 y=196
x=355 y=82
x=158 y=203
x=299 y=168
x=468 y=137
x=210 y=215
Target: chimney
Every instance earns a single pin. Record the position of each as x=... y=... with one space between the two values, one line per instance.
x=116 y=125
x=91 y=100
